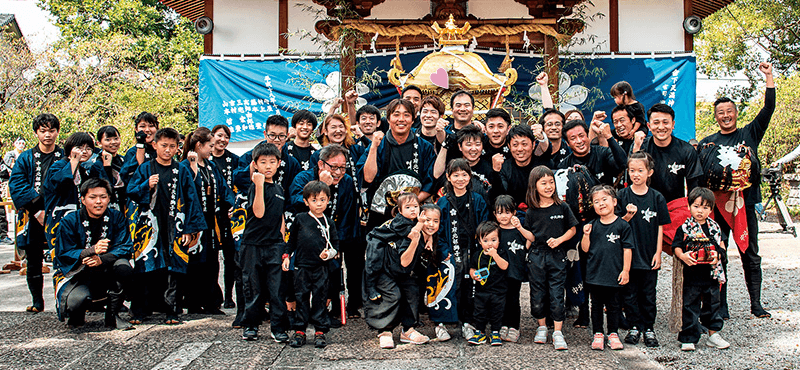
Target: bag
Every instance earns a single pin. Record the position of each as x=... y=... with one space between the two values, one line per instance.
x=573 y=185
x=727 y=168
x=405 y=181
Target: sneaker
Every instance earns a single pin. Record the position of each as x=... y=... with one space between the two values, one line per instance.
x=496 y=341
x=280 y=337
x=687 y=347
x=250 y=334
x=386 y=340
x=319 y=340
x=541 y=335
x=477 y=338
x=441 y=333
x=650 y=338
x=613 y=342
x=558 y=341
x=716 y=341
x=298 y=339
x=6 y=240
x=504 y=333
x=513 y=335
x=598 y=342
x=467 y=331
x=633 y=336
x=413 y=336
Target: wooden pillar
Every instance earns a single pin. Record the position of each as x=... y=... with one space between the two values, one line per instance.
x=613 y=24
x=688 y=40
x=551 y=64
x=347 y=63
x=283 y=24
x=208 y=39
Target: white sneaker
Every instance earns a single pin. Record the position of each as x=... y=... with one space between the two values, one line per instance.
x=513 y=335
x=504 y=333
x=716 y=341
x=441 y=333
x=468 y=331
x=386 y=340
x=558 y=341
x=687 y=347
x=541 y=335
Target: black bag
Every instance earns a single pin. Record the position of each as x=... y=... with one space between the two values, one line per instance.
x=573 y=185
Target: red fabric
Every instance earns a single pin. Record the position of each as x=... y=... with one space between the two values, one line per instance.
x=731 y=207
x=678 y=213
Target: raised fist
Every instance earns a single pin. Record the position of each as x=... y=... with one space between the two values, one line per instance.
x=377 y=137
x=542 y=79
x=257 y=178
x=141 y=137
x=631 y=208
x=326 y=177
x=599 y=116
x=765 y=68
x=351 y=96
x=587 y=229
x=497 y=162
x=538 y=132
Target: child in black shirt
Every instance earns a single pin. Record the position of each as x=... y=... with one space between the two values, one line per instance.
x=553 y=225
x=488 y=269
x=608 y=244
x=698 y=244
x=263 y=251
x=313 y=241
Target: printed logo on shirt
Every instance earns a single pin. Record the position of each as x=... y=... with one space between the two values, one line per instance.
x=562 y=151
x=600 y=175
x=647 y=214
x=675 y=167
x=514 y=247
x=557 y=217
x=612 y=238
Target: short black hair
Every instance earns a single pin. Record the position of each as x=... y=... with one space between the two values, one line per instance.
x=77 y=140
x=521 y=130
x=497 y=112
x=107 y=131
x=315 y=187
x=705 y=194
x=223 y=128
x=411 y=87
x=505 y=203
x=572 y=124
x=147 y=117
x=486 y=228
x=469 y=132
x=368 y=109
x=331 y=150
x=168 y=133
x=304 y=115
x=550 y=111
x=95 y=182
x=461 y=92
x=46 y=120
x=608 y=189
x=661 y=108
x=724 y=99
x=276 y=120
x=266 y=149
x=624 y=108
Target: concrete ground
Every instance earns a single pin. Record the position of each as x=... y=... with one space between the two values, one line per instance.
x=40 y=341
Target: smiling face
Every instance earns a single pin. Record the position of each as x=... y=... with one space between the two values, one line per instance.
x=335 y=131
x=552 y=126
x=428 y=116
x=336 y=165
x=47 y=136
x=148 y=128
x=304 y=129
x=431 y=224
x=276 y=134
x=462 y=109
x=521 y=148
x=221 y=140
x=414 y=97
x=110 y=143
x=96 y=202
x=368 y=123
x=410 y=209
x=267 y=165
x=490 y=240
x=84 y=151
x=400 y=121
x=497 y=130
x=546 y=187
x=604 y=203
x=471 y=150
x=203 y=150
x=726 y=115
x=578 y=141
x=317 y=203
x=623 y=124
x=460 y=180
x=661 y=126
x=638 y=172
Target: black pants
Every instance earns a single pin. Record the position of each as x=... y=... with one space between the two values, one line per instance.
x=399 y=303
x=311 y=285
x=230 y=267
x=608 y=297
x=547 y=275
x=35 y=257
x=201 y=284
x=465 y=293
x=354 y=260
x=489 y=308
x=261 y=283
x=512 y=311
x=240 y=301
x=94 y=283
x=701 y=307
x=751 y=261
x=639 y=297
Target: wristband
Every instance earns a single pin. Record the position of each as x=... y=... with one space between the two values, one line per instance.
x=285 y=256
x=139 y=146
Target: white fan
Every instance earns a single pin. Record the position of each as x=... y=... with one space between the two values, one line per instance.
x=570 y=96
x=330 y=90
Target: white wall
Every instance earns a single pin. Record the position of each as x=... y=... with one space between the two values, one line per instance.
x=303 y=15
x=497 y=9
x=401 y=9
x=246 y=26
x=598 y=28
x=651 y=25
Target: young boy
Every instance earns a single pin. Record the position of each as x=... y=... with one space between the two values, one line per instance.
x=303 y=124
x=313 y=241
x=698 y=244
x=488 y=269
x=263 y=251
x=166 y=208
x=25 y=186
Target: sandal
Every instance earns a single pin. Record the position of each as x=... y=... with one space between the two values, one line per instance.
x=136 y=320
x=172 y=320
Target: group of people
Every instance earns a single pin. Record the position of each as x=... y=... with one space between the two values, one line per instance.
x=401 y=215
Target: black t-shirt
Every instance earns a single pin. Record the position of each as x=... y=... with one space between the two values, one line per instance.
x=399 y=155
x=700 y=274
x=674 y=164
x=306 y=239
x=205 y=190
x=549 y=222
x=515 y=180
x=267 y=229
x=651 y=213
x=626 y=144
x=638 y=112
x=605 y=256
x=512 y=241
x=466 y=220
x=600 y=162
x=481 y=175
x=562 y=152
x=489 y=151
x=430 y=139
x=166 y=174
x=301 y=154
x=496 y=281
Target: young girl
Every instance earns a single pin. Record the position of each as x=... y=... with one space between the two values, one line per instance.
x=623 y=95
x=608 y=244
x=462 y=211
x=515 y=240
x=436 y=274
x=646 y=211
x=391 y=294
x=552 y=224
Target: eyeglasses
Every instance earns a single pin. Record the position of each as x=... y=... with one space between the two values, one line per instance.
x=334 y=168
x=279 y=137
